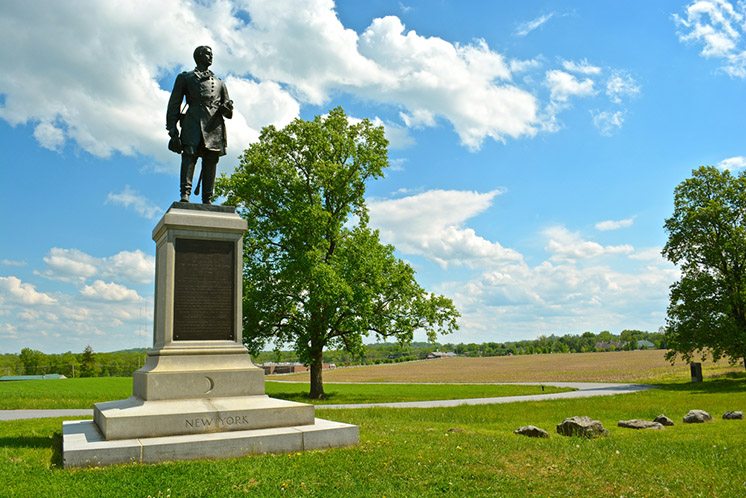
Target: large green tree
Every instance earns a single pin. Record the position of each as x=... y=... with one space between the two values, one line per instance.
x=33 y=361
x=707 y=240
x=315 y=275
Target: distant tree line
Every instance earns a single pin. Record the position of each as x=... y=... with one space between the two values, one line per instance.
x=123 y=363
x=84 y=364
x=386 y=352
x=586 y=342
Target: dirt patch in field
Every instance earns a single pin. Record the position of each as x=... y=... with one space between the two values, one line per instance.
x=620 y=366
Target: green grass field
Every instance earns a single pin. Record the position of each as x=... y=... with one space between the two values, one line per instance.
x=462 y=451
x=83 y=393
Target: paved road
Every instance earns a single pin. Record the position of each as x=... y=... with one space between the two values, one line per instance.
x=583 y=390
x=19 y=414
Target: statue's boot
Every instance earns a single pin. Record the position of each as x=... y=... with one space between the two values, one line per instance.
x=187 y=172
x=209 y=167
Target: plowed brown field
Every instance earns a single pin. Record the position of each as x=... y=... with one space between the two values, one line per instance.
x=620 y=366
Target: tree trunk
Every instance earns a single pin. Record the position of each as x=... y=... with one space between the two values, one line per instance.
x=317 y=383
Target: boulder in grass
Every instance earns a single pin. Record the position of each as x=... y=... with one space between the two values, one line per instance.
x=733 y=415
x=697 y=417
x=581 y=426
x=640 y=424
x=531 y=431
x=663 y=420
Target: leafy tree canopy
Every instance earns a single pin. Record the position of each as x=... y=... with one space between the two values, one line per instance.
x=707 y=240
x=315 y=275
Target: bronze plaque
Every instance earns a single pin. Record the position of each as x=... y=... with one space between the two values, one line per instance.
x=204 y=290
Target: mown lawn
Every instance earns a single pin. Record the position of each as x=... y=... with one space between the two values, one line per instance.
x=83 y=393
x=462 y=451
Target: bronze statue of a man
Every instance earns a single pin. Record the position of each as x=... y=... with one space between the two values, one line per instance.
x=202 y=126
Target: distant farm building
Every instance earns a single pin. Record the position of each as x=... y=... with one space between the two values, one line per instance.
x=643 y=344
x=608 y=346
x=32 y=377
x=437 y=354
x=272 y=368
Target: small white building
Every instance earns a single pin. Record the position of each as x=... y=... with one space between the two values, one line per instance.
x=437 y=354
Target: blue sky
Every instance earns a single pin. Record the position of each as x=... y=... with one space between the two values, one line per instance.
x=534 y=150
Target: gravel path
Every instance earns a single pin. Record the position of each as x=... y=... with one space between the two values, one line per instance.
x=583 y=390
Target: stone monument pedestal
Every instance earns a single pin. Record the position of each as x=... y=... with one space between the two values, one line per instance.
x=198 y=394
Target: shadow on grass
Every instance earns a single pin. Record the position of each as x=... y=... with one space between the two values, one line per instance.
x=26 y=442
x=732 y=382
x=53 y=442
x=56 y=460
x=303 y=397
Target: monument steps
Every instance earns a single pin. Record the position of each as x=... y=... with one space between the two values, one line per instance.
x=85 y=446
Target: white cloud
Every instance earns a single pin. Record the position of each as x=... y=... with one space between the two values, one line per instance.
x=520 y=66
x=608 y=122
x=576 y=289
x=431 y=77
x=418 y=118
x=564 y=244
x=23 y=293
x=69 y=265
x=134 y=266
x=94 y=79
x=719 y=26
x=109 y=292
x=131 y=198
x=12 y=262
x=258 y=105
x=8 y=331
x=560 y=297
x=582 y=67
x=397 y=163
x=49 y=136
x=621 y=85
x=614 y=224
x=527 y=27
x=431 y=224
x=107 y=316
x=652 y=254
x=398 y=136
x=103 y=312
x=564 y=85
x=733 y=163
x=107 y=98
x=73 y=265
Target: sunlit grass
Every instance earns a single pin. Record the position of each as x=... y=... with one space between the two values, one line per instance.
x=83 y=393
x=462 y=451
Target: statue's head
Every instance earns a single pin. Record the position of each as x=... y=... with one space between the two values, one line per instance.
x=203 y=55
